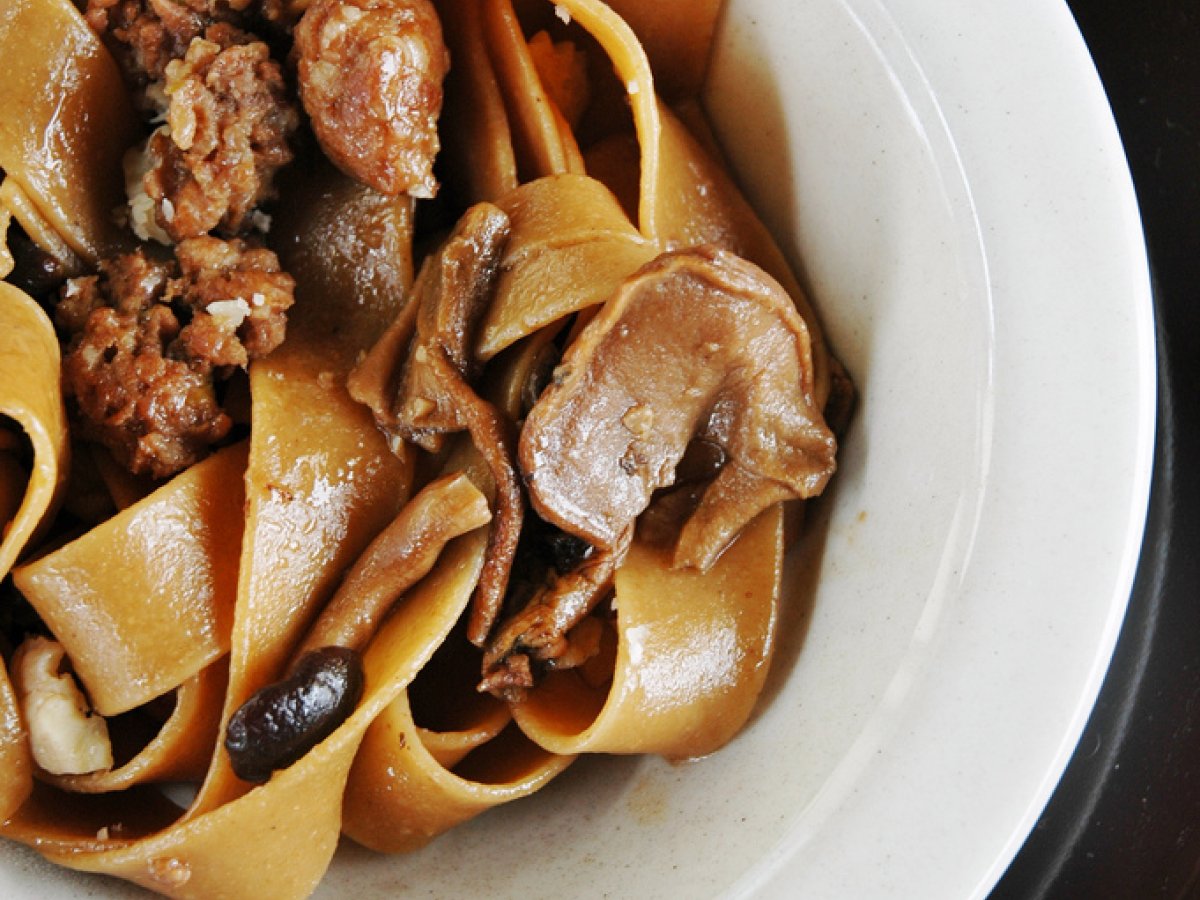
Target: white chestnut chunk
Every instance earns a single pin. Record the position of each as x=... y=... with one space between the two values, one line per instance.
x=698 y=344
x=65 y=736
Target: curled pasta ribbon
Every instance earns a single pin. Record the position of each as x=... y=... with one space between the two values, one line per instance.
x=15 y=205
x=680 y=666
x=684 y=196
x=30 y=398
x=65 y=122
x=248 y=846
x=318 y=470
x=571 y=246
x=478 y=139
x=144 y=601
x=693 y=651
x=181 y=748
x=677 y=36
x=411 y=783
x=542 y=140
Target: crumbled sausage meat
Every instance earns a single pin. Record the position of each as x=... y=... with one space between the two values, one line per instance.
x=145 y=35
x=156 y=414
x=240 y=297
x=228 y=125
x=146 y=339
x=371 y=76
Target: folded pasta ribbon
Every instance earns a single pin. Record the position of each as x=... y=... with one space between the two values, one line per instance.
x=29 y=399
x=692 y=654
x=321 y=481
x=144 y=601
x=65 y=123
x=248 y=846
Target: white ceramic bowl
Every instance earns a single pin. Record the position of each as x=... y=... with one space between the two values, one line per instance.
x=949 y=181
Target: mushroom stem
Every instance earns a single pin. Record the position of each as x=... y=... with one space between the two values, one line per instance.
x=434 y=396
x=400 y=556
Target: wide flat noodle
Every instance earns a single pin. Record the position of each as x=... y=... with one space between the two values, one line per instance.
x=691 y=649
x=565 y=714
x=17 y=206
x=404 y=789
x=542 y=143
x=478 y=140
x=571 y=245
x=6 y=257
x=678 y=36
x=686 y=197
x=321 y=480
x=144 y=601
x=692 y=655
x=65 y=122
x=29 y=395
x=181 y=748
x=16 y=759
x=276 y=840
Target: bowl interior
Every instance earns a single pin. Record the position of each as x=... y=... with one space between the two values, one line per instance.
x=846 y=148
x=842 y=151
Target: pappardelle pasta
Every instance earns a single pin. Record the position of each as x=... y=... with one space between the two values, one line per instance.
x=398 y=399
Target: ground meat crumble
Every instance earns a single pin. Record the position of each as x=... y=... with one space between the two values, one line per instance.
x=229 y=122
x=145 y=35
x=146 y=339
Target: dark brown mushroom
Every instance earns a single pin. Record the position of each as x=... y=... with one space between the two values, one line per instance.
x=284 y=720
x=538 y=633
x=697 y=344
x=425 y=393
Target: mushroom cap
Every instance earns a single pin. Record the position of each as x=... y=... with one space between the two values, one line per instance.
x=699 y=343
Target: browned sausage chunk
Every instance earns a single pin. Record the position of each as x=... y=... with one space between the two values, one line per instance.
x=229 y=121
x=145 y=35
x=371 y=76
x=146 y=338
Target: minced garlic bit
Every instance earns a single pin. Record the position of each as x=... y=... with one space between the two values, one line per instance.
x=65 y=736
x=260 y=221
x=231 y=313
x=141 y=205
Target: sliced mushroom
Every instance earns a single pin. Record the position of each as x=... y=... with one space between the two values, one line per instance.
x=697 y=344
x=398 y=558
x=433 y=394
x=539 y=631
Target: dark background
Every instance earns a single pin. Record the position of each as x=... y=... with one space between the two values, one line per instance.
x=1125 y=819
